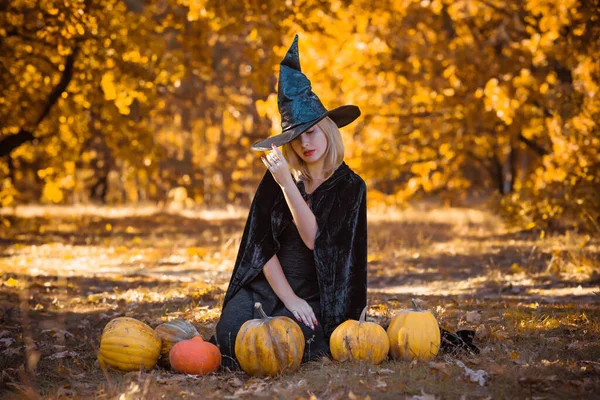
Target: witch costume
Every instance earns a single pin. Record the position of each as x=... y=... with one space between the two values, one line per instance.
x=331 y=278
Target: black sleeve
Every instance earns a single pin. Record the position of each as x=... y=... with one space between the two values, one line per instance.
x=258 y=243
x=341 y=255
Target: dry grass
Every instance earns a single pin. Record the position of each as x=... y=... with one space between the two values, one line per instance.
x=65 y=272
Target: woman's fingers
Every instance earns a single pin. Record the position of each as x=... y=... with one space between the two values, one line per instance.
x=296 y=314
x=305 y=320
x=309 y=323
x=272 y=158
x=308 y=314
x=313 y=318
x=278 y=152
x=280 y=155
x=303 y=317
x=266 y=162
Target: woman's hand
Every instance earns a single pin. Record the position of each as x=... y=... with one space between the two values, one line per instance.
x=277 y=164
x=302 y=311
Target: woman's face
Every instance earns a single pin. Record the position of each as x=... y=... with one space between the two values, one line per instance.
x=311 y=145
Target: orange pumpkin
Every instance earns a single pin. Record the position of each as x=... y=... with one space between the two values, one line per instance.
x=172 y=332
x=195 y=356
x=360 y=341
x=269 y=346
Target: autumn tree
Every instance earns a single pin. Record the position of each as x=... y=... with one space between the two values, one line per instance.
x=125 y=100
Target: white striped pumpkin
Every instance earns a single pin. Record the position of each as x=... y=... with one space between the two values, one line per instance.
x=172 y=332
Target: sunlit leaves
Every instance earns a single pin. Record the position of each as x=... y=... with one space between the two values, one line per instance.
x=498 y=99
x=108 y=86
x=52 y=192
x=495 y=96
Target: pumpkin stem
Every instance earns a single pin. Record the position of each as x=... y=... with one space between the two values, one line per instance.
x=259 y=308
x=363 y=315
x=415 y=305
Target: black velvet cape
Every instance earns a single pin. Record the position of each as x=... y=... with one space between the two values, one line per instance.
x=340 y=248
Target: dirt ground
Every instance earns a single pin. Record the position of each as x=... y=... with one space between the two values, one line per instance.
x=532 y=297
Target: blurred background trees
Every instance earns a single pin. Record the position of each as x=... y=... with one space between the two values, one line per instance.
x=119 y=101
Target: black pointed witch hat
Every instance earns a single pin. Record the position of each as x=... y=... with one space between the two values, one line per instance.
x=299 y=106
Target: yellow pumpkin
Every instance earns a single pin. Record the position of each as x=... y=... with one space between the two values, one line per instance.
x=128 y=345
x=269 y=346
x=414 y=334
x=360 y=341
x=172 y=332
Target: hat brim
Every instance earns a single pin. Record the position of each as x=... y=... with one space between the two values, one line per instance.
x=342 y=116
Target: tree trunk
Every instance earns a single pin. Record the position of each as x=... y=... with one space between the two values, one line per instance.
x=11 y=142
x=512 y=168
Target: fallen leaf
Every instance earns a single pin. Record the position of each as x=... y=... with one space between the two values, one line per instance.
x=254 y=388
x=63 y=354
x=495 y=369
x=11 y=282
x=385 y=371
x=473 y=317
x=61 y=333
x=515 y=269
x=439 y=367
x=475 y=376
x=423 y=396
x=482 y=332
x=577 y=345
x=13 y=351
x=326 y=360
x=380 y=384
x=197 y=251
x=301 y=382
x=236 y=382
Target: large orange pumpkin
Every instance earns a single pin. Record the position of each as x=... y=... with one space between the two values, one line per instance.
x=414 y=334
x=128 y=345
x=269 y=346
x=195 y=356
x=172 y=332
x=360 y=341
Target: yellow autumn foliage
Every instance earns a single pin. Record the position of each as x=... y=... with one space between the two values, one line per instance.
x=124 y=101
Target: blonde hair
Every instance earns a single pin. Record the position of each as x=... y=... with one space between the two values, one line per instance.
x=334 y=154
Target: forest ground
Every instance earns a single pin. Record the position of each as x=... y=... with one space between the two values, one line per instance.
x=532 y=297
